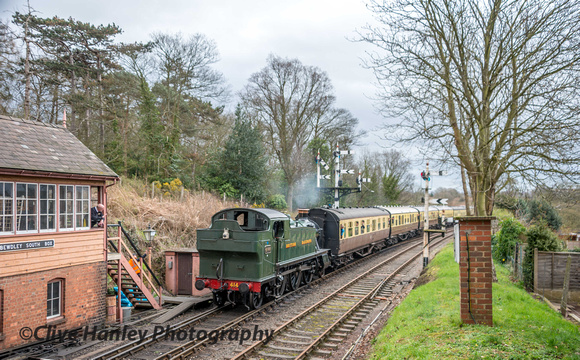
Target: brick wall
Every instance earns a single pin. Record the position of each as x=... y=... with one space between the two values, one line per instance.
x=25 y=301
x=475 y=270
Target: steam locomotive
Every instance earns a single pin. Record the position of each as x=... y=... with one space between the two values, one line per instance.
x=252 y=255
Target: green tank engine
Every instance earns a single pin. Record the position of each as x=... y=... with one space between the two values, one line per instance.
x=248 y=255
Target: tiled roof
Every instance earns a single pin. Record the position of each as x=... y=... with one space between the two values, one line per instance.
x=35 y=146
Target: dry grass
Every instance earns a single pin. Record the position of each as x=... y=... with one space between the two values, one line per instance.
x=174 y=219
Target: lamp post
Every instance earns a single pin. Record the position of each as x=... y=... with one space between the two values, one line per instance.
x=149 y=236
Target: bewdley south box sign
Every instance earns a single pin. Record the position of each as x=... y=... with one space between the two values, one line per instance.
x=27 y=245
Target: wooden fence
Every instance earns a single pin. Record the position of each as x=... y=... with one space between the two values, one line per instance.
x=549 y=268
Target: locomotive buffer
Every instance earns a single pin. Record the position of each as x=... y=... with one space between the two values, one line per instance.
x=338 y=190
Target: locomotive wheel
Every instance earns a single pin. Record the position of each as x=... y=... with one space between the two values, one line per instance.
x=307 y=276
x=279 y=291
x=219 y=298
x=293 y=281
x=256 y=301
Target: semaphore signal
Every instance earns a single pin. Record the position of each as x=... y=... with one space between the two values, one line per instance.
x=338 y=189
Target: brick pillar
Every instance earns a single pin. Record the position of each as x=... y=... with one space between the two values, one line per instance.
x=475 y=269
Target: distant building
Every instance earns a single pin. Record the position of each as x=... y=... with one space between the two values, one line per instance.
x=52 y=262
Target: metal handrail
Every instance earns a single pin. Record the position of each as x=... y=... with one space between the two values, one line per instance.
x=119 y=224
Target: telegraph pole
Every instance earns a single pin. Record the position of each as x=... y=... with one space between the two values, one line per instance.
x=425 y=175
x=336 y=177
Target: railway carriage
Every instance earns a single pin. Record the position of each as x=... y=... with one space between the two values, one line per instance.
x=357 y=232
x=251 y=254
x=405 y=221
x=347 y=232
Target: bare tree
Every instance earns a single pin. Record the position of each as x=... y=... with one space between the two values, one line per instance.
x=294 y=104
x=493 y=84
x=184 y=66
x=8 y=57
x=396 y=177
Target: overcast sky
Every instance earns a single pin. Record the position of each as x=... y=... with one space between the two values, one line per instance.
x=316 y=32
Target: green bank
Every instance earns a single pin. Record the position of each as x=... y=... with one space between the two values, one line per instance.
x=427 y=324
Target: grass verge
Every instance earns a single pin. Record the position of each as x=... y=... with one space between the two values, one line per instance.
x=427 y=324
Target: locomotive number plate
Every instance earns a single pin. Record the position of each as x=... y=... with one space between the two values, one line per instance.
x=234 y=285
x=306 y=241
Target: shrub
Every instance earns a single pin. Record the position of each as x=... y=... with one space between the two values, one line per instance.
x=542 y=238
x=276 y=202
x=506 y=239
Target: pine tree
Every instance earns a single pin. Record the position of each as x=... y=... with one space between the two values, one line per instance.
x=240 y=168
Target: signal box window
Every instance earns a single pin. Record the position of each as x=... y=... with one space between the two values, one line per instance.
x=66 y=207
x=47 y=201
x=26 y=207
x=6 y=207
x=54 y=299
x=82 y=207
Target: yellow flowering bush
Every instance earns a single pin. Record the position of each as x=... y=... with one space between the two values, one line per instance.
x=172 y=188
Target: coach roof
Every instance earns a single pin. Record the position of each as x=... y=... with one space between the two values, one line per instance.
x=351 y=213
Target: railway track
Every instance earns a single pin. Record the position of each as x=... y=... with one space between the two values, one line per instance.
x=217 y=319
x=352 y=303
x=320 y=329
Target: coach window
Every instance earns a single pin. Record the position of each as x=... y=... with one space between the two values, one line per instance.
x=54 y=299
x=47 y=204
x=6 y=208
x=26 y=213
x=350 y=229
x=379 y=225
x=356 y=227
x=374 y=225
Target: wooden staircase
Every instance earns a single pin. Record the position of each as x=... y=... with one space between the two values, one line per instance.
x=132 y=276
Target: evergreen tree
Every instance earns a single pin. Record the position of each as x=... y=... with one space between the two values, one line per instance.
x=240 y=168
x=541 y=210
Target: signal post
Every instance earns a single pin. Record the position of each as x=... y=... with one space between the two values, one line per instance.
x=338 y=190
x=426 y=175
